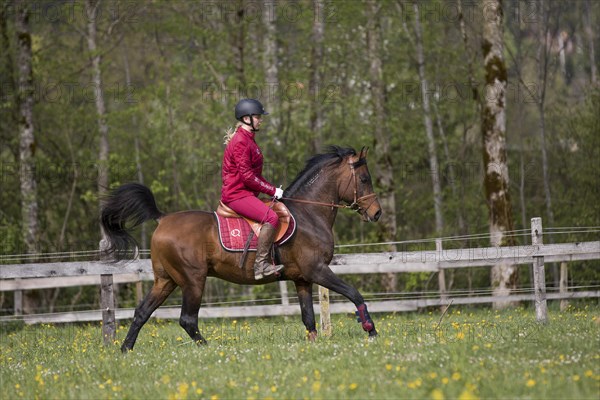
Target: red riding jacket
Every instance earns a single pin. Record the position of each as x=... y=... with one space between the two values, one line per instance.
x=241 y=172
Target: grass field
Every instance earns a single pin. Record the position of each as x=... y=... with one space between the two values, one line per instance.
x=471 y=354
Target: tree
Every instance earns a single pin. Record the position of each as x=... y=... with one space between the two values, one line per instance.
x=92 y=13
x=27 y=145
x=431 y=146
x=384 y=175
x=493 y=131
x=316 y=110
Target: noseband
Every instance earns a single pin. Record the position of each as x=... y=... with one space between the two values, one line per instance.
x=355 y=203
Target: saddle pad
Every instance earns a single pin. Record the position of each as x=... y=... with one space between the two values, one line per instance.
x=234 y=231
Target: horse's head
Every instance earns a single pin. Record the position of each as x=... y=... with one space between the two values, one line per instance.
x=357 y=189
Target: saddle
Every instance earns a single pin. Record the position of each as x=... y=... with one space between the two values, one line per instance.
x=235 y=230
x=280 y=209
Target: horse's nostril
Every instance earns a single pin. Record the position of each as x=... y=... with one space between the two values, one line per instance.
x=377 y=215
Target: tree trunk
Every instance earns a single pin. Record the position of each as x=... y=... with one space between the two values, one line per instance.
x=543 y=57
x=451 y=173
x=136 y=143
x=27 y=145
x=9 y=121
x=316 y=111
x=384 y=176
x=431 y=147
x=103 y=147
x=270 y=64
x=238 y=44
x=589 y=31
x=493 y=130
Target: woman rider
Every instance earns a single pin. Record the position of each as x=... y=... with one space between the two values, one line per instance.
x=243 y=181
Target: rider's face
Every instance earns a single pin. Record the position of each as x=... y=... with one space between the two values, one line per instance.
x=256 y=119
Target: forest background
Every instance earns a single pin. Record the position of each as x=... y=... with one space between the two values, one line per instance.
x=121 y=91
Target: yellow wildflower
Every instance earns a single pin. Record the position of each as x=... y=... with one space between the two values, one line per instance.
x=316 y=386
x=437 y=394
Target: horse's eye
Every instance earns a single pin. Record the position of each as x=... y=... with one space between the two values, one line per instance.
x=364 y=179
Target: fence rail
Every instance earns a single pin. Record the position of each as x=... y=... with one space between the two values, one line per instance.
x=362 y=263
x=272 y=310
x=16 y=277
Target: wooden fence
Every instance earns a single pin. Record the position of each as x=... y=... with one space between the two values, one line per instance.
x=18 y=277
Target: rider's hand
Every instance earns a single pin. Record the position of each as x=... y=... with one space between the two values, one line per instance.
x=278 y=193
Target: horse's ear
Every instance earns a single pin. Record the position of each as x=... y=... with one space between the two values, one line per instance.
x=363 y=152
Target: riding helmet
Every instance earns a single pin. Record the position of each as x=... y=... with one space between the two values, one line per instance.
x=249 y=107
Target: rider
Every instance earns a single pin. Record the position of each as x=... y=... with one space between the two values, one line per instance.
x=243 y=181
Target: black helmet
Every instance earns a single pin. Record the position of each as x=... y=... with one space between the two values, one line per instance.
x=249 y=107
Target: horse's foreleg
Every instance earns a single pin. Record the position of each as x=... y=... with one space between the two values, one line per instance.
x=192 y=297
x=162 y=288
x=325 y=277
x=304 y=290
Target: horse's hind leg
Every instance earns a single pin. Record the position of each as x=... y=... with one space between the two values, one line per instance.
x=162 y=288
x=192 y=297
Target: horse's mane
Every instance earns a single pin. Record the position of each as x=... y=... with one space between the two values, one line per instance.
x=331 y=156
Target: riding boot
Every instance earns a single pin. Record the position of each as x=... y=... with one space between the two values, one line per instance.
x=263 y=266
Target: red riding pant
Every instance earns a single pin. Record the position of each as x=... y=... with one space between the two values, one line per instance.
x=253 y=208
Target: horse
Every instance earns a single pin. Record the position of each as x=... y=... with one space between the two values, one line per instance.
x=185 y=247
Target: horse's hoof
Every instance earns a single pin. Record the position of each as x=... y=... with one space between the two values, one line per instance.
x=312 y=336
x=373 y=334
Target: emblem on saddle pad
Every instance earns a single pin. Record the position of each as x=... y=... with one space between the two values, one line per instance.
x=234 y=230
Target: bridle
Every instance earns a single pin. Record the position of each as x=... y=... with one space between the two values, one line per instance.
x=355 y=203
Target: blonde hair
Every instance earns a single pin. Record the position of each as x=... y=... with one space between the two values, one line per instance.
x=230 y=132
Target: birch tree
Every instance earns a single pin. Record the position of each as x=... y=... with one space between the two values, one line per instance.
x=316 y=111
x=270 y=61
x=589 y=33
x=493 y=131
x=27 y=145
x=431 y=146
x=92 y=13
x=384 y=176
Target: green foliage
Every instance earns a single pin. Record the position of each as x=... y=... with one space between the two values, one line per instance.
x=189 y=62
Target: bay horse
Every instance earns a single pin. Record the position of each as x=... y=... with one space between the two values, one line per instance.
x=185 y=247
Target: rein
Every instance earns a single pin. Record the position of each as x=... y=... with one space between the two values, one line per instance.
x=354 y=206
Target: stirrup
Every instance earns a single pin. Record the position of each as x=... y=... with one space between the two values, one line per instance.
x=261 y=272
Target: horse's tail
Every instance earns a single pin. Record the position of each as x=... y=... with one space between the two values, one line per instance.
x=125 y=208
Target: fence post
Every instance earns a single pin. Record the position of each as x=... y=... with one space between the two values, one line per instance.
x=563 y=285
x=441 y=277
x=107 y=303
x=539 y=277
x=18 y=300
x=325 y=316
x=284 y=293
x=139 y=292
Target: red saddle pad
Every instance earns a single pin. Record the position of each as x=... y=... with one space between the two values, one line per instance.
x=233 y=233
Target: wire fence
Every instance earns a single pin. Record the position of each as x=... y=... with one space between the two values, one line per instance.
x=240 y=297
x=90 y=255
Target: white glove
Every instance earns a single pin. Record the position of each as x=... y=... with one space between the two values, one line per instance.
x=278 y=193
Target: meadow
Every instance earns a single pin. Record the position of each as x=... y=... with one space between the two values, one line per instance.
x=469 y=354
